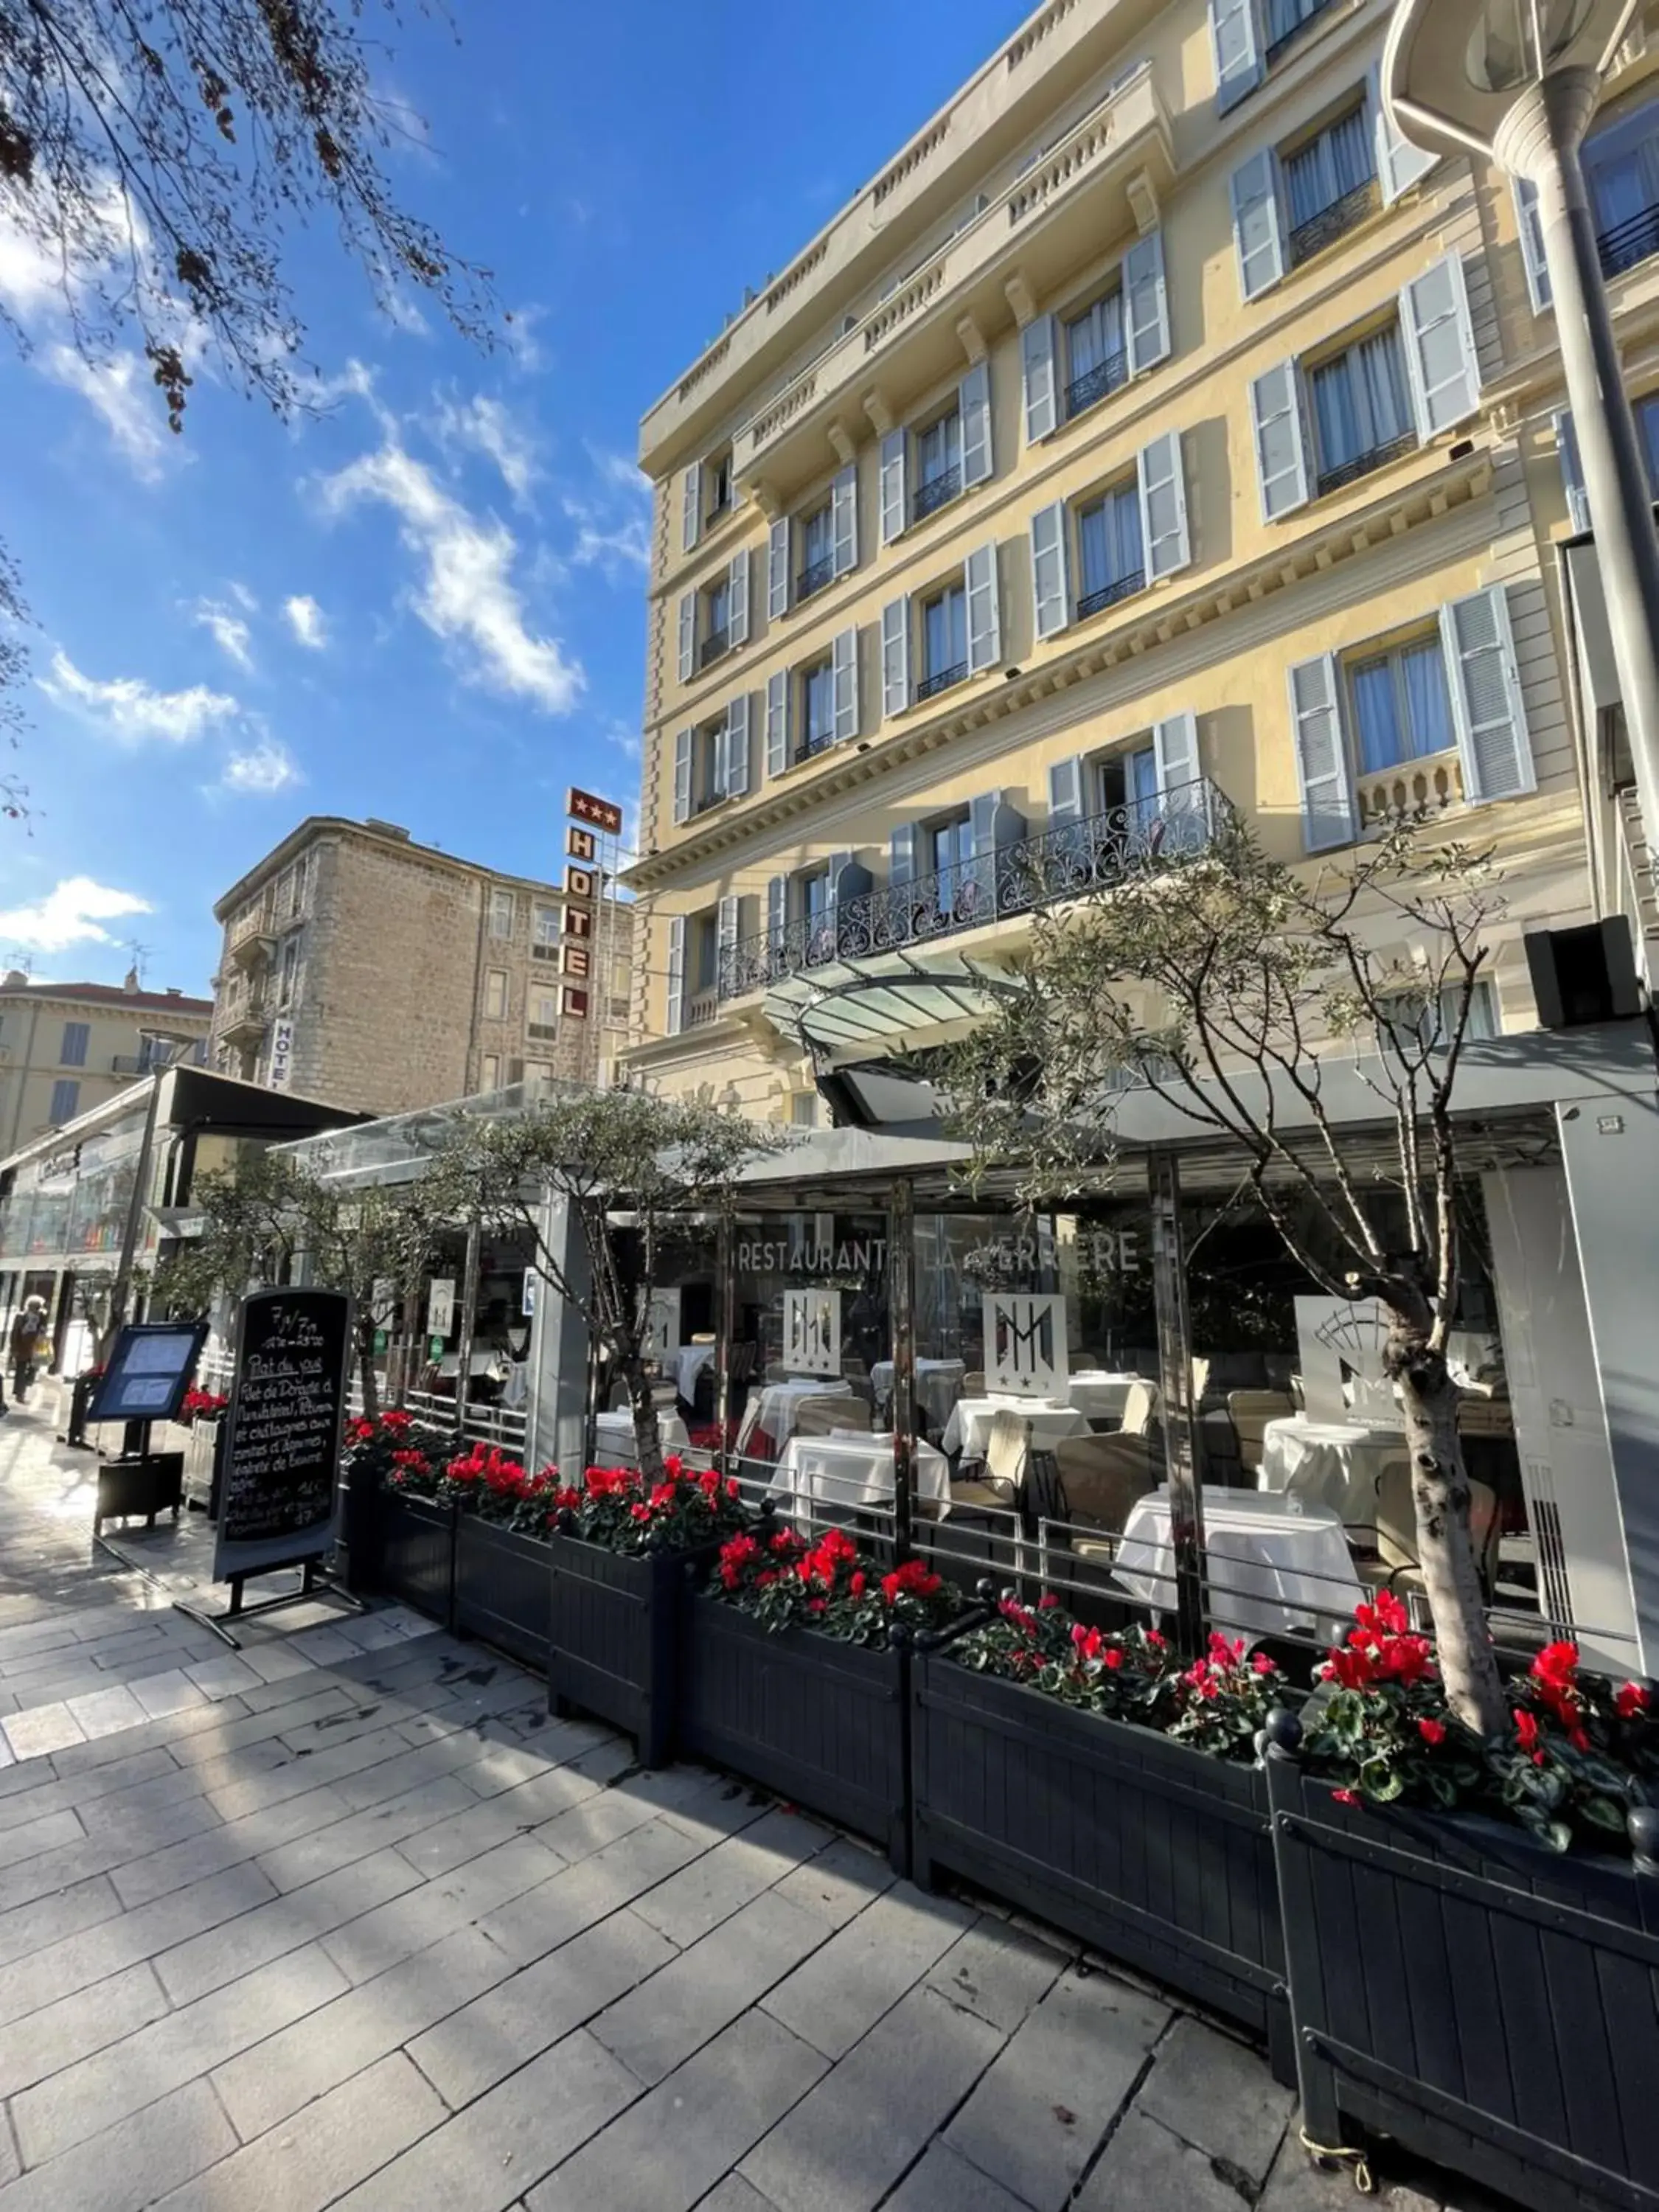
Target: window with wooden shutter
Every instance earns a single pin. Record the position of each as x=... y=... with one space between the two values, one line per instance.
x=1066 y=791
x=735 y=778
x=1487 y=702
x=1038 y=374
x=895 y=502
x=974 y=405
x=737 y=616
x=902 y=854
x=1146 y=303
x=896 y=656
x=1050 y=588
x=688 y=620
x=725 y=944
x=1258 y=224
x=676 y=973
x=1321 y=760
x=1531 y=231
x=1235 y=41
x=1572 y=474
x=777 y=721
x=683 y=747
x=844 y=655
x=984 y=620
x=1281 y=446
x=691 y=507
x=1164 y=506
x=777 y=569
x=1399 y=163
x=1440 y=356
x=844 y=523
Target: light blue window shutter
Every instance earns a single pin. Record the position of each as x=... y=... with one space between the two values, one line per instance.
x=974 y=399
x=1399 y=163
x=1037 y=356
x=1164 y=506
x=737 y=746
x=838 y=862
x=1237 y=39
x=894 y=499
x=896 y=656
x=1050 y=588
x=777 y=569
x=1485 y=684
x=1445 y=376
x=676 y=973
x=777 y=721
x=1281 y=445
x=683 y=745
x=844 y=517
x=738 y=617
x=691 y=507
x=688 y=633
x=844 y=681
x=902 y=854
x=984 y=623
x=777 y=909
x=1066 y=791
x=1532 y=245
x=1258 y=225
x=1572 y=475
x=1175 y=750
x=983 y=823
x=1145 y=303
x=726 y=943
x=1321 y=759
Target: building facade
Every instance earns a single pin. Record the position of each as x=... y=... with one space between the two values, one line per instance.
x=67 y=1048
x=1157 y=433
x=361 y=967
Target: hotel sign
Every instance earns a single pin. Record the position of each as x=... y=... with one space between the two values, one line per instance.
x=605 y=817
x=580 y=844
x=282 y=1055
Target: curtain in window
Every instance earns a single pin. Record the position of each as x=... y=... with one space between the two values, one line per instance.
x=1376 y=717
x=1351 y=152
x=1336 y=162
x=1622 y=165
x=1385 y=397
x=1284 y=15
x=1095 y=336
x=816 y=539
x=820 y=705
x=947 y=633
x=939 y=450
x=1361 y=400
x=1428 y=707
x=1109 y=540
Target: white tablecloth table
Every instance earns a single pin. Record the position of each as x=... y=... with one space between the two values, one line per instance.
x=1048 y=1421
x=613 y=1436
x=1335 y=1463
x=1278 y=1563
x=938 y=1385
x=1101 y=1396
x=850 y=1472
x=689 y=1363
x=486 y=1363
x=780 y=1402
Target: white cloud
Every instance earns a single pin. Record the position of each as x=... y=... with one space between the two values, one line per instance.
x=487 y=428
x=626 y=546
x=243 y=596
x=264 y=769
x=72 y=913
x=306 y=619
x=403 y=315
x=519 y=326
x=121 y=390
x=129 y=711
x=229 y=632
x=468 y=596
x=618 y=469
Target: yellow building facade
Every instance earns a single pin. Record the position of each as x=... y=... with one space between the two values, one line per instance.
x=1157 y=433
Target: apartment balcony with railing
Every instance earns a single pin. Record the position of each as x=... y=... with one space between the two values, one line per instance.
x=1069 y=860
x=1413 y=791
x=1333 y=221
x=253 y=937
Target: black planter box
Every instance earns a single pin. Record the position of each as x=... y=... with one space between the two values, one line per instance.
x=821 y=1722
x=129 y=1487
x=1154 y=1853
x=1491 y=2005
x=404 y=1548
x=503 y=1588
x=612 y=1637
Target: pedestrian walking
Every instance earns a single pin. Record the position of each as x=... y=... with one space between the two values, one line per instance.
x=29 y=1334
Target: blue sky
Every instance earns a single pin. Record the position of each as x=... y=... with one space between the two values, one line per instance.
x=429 y=604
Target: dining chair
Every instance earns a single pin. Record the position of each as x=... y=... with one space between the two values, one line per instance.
x=1251 y=1411
x=1136 y=1410
x=822 y=1416
x=1396 y=1565
x=973 y=1383
x=1100 y=1479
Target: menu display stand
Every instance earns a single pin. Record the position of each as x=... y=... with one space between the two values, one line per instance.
x=145 y=1381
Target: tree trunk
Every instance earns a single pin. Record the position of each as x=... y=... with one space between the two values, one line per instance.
x=366 y=1368
x=648 y=1435
x=1440 y=1493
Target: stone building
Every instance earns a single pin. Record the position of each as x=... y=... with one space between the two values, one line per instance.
x=67 y=1048
x=1156 y=433
x=361 y=967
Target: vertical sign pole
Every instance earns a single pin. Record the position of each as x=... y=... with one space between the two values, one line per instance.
x=725 y=1276
x=1175 y=1349
x=468 y=1325
x=901 y=1301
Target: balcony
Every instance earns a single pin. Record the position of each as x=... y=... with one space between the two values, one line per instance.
x=1412 y=791
x=1334 y=220
x=243 y=1027
x=717 y=642
x=1121 y=588
x=1362 y=464
x=1629 y=242
x=703 y=800
x=1066 y=862
x=813 y=743
x=1061 y=213
x=937 y=492
x=252 y=938
x=702 y=1007
x=1083 y=392
x=815 y=578
x=931 y=686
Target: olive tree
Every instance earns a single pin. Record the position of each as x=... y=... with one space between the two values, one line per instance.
x=631 y=1154
x=1232 y=987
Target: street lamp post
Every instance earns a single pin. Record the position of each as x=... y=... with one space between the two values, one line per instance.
x=122 y=1287
x=1517 y=80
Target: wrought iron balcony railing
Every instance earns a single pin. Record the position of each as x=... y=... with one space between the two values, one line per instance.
x=1629 y=242
x=814 y=742
x=935 y=493
x=941 y=680
x=713 y=646
x=1066 y=862
x=1377 y=457
x=815 y=578
x=1276 y=46
x=1121 y=588
x=703 y=800
x=1336 y=217
x=1094 y=383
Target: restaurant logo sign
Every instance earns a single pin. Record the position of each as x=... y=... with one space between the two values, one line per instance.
x=1024 y=1344
x=865 y=1256
x=811 y=1332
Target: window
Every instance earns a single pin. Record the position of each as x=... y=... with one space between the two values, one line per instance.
x=503 y=913
x=1621 y=168
x=948 y=846
x=1412 y=1020
x=1096 y=359
x=543 y=1014
x=73 y=1053
x=65 y=1099
x=719 y=475
x=817 y=709
x=1401 y=706
x=489 y=1072
x=1284 y=18
x=1111 y=562
x=814 y=912
x=818 y=551
x=537 y=1077
x=1362 y=408
x=1330 y=183
x=702 y=964
x=804 y=1109
x=289 y=972
x=939 y=464
x=716 y=620
x=708 y=783
x=1126 y=779
x=494 y=994
x=545 y=930
x=944 y=641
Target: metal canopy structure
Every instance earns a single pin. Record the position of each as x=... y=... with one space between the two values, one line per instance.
x=881 y=1001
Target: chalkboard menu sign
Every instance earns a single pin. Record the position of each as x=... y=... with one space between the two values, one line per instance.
x=147 y=1375
x=283 y=1445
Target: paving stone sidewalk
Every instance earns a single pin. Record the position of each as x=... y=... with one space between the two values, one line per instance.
x=346 y=1919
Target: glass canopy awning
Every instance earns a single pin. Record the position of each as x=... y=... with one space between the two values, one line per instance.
x=886 y=999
